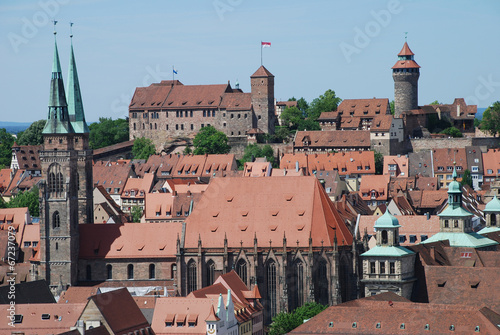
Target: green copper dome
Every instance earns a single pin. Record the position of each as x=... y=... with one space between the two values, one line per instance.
x=493 y=205
x=387 y=221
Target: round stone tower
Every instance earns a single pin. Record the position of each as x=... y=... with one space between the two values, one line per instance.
x=405 y=74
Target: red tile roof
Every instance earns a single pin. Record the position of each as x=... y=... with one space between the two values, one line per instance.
x=262 y=72
x=130 y=240
x=152 y=96
x=491 y=162
x=195 y=96
x=112 y=175
x=406 y=64
x=406 y=51
x=445 y=158
x=401 y=163
x=268 y=208
x=77 y=294
x=350 y=162
x=237 y=101
x=377 y=183
x=333 y=139
x=138 y=186
x=363 y=108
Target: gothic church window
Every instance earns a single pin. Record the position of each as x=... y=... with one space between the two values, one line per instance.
x=130 y=271
x=152 y=271
x=56 y=220
x=192 y=280
x=241 y=270
x=271 y=290
x=210 y=272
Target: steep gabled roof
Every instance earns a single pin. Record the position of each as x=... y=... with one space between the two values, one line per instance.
x=262 y=72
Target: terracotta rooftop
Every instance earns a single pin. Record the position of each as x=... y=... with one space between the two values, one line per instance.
x=491 y=163
x=130 y=240
x=112 y=175
x=406 y=51
x=400 y=162
x=363 y=108
x=266 y=208
x=237 y=101
x=138 y=187
x=377 y=183
x=333 y=139
x=117 y=146
x=262 y=72
x=77 y=294
x=444 y=160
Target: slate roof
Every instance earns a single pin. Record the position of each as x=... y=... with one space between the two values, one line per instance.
x=266 y=208
x=33 y=292
x=420 y=163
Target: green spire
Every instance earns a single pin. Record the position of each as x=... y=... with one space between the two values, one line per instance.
x=75 y=105
x=58 y=118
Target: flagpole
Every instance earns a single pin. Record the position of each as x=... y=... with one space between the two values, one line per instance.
x=261 y=53
x=173 y=73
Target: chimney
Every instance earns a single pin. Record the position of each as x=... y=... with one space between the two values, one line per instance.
x=458 y=110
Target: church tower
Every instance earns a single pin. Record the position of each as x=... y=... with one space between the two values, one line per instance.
x=262 y=82
x=405 y=74
x=66 y=187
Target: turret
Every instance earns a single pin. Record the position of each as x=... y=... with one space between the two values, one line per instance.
x=405 y=74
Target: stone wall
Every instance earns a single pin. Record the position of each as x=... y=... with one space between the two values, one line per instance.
x=440 y=143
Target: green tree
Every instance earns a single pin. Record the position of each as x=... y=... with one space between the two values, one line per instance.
x=6 y=142
x=108 y=132
x=285 y=322
x=435 y=102
x=136 y=214
x=254 y=150
x=466 y=178
x=477 y=122
x=210 y=141
x=391 y=106
x=282 y=134
x=326 y=102
x=309 y=124
x=491 y=119
x=452 y=131
x=379 y=162
x=292 y=117
x=301 y=104
x=27 y=199
x=143 y=148
x=32 y=135
x=187 y=150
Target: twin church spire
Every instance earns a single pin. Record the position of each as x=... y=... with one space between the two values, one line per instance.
x=66 y=113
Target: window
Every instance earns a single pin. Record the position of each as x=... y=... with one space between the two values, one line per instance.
x=423 y=238
x=109 y=270
x=271 y=291
x=56 y=220
x=191 y=277
x=392 y=268
x=382 y=267
x=130 y=271
x=402 y=238
x=191 y=113
x=204 y=113
x=213 y=113
x=490 y=171
x=27 y=244
x=446 y=223
x=182 y=127
x=373 y=267
x=210 y=272
x=192 y=126
x=413 y=238
x=89 y=272
x=241 y=270
x=475 y=169
x=152 y=271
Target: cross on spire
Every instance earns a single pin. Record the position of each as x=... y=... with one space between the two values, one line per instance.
x=55 y=22
x=71 y=30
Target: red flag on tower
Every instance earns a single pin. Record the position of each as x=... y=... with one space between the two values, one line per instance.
x=266 y=44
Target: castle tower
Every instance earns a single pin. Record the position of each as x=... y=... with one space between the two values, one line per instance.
x=388 y=266
x=262 y=82
x=64 y=193
x=405 y=74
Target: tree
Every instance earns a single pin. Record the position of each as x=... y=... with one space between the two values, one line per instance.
x=33 y=135
x=6 y=142
x=379 y=162
x=282 y=134
x=391 y=106
x=254 y=150
x=187 y=150
x=452 y=131
x=292 y=117
x=302 y=104
x=136 y=214
x=491 y=119
x=143 y=148
x=309 y=124
x=477 y=122
x=27 y=199
x=435 y=102
x=326 y=102
x=466 y=178
x=285 y=322
x=210 y=141
x=108 y=132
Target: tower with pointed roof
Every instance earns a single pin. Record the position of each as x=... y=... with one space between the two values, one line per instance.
x=492 y=216
x=455 y=223
x=66 y=188
x=262 y=82
x=405 y=74
x=388 y=267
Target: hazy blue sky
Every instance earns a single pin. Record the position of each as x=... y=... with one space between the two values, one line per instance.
x=347 y=46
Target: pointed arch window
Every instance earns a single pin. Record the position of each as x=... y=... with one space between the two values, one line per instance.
x=191 y=272
x=210 y=272
x=384 y=237
x=152 y=271
x=56 y=220
x=109 y=270
x=321 y=282
x=241 y=270
x=130 y=271
x=271 y=291
x=299 y=283
x=55 y=181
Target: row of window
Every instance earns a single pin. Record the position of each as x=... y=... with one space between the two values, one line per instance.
x=130 y=271
x=382 y=267
x=155 y=126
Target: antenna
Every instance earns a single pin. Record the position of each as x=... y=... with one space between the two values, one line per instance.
x=406 y=35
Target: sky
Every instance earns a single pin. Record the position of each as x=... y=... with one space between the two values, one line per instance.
x=316 y=45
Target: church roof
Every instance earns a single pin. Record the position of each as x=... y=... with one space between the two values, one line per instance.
x=388 y=251
x=387 y=221
x=468 y=240
x=75 y=105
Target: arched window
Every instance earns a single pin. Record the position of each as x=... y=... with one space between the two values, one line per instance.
x=89 y=272
x=152 y=271
x=210 y=272
x=191 y=276
x=321 y=283
x=241 y=270
x=493 y=219
x=130 y=271
x=55 y=180
x=173 y=271
x=52 y=182
x=384 y=237
x=59 y=182
x=271 y=291
x=297 y=285
x=109 y=270
x=56 y=220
